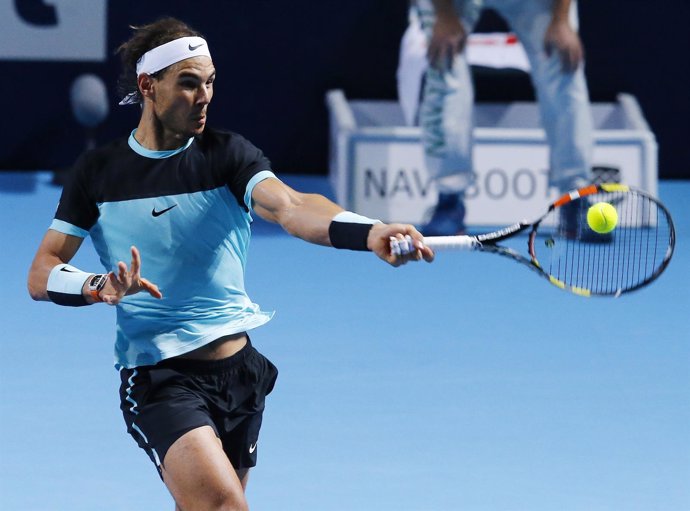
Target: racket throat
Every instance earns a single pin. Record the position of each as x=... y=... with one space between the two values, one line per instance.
x=501 y=234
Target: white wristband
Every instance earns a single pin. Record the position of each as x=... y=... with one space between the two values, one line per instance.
x=353 y=218
x=65 y=284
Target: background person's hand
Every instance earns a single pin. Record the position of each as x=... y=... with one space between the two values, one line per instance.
x=448 y=38
x=560 y=37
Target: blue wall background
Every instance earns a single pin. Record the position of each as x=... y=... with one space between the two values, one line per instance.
x=276 y=59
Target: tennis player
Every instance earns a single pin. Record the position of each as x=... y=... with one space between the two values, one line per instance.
x=175 y=199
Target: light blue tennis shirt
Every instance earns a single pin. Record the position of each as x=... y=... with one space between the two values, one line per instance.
x=193 y=245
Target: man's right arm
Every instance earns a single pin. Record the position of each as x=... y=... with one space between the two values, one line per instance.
x=56 y=248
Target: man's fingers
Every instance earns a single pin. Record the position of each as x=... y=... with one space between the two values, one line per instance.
x=432 y=54
x=427 y=254
x=400 y=245
x=151 y=288
x=576 y=57
x=110 y=299
x=405 y=248
x=136 y=261
x=113 y=279
x=441 y=53
x=124 y=281
x=450 y=55
x=122 y=274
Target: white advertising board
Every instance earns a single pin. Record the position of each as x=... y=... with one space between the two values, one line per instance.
x=381 y=173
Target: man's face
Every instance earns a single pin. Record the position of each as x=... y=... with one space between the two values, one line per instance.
x=182 y=96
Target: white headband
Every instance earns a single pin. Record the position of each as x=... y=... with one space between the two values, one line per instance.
x=166 y=55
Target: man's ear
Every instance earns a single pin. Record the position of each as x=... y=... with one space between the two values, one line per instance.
x=146 y=86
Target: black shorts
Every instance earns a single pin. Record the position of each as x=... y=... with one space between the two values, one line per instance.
x=160 y=403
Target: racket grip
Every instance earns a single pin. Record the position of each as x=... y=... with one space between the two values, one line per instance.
x=452 y=242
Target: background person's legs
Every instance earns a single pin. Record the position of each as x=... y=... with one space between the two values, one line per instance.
x=562 y=95
x=447 y=121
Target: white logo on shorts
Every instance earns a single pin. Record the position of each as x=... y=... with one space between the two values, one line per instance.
x=252 y=448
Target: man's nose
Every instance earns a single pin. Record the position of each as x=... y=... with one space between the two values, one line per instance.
x=204 y=95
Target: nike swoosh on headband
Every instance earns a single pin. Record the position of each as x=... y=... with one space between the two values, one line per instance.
x=166 y=55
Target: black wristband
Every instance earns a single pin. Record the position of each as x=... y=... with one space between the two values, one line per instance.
x=351 y=236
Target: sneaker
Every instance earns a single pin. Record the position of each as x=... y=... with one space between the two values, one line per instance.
x=448 y=218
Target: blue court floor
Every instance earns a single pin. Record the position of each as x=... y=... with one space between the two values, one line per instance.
x=468 y=384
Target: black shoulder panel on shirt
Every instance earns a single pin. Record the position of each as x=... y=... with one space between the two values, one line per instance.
x=115 y=172
x=214 y=159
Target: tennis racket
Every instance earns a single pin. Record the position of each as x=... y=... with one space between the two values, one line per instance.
x=562 y=248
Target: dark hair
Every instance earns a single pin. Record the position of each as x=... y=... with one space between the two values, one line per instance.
x=145 y=38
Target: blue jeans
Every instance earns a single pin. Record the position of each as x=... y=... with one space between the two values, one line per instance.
x=446 y=110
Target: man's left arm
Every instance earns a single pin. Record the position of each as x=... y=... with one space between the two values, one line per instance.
x=316 y=219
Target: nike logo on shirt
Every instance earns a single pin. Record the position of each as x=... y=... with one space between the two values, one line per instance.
x=159 y=213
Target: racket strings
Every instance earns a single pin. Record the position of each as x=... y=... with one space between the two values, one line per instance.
x=634 y=253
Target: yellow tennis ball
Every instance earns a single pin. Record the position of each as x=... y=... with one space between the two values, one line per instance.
x=602 y=217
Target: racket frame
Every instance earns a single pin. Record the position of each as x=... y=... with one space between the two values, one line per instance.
x=488 y=242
